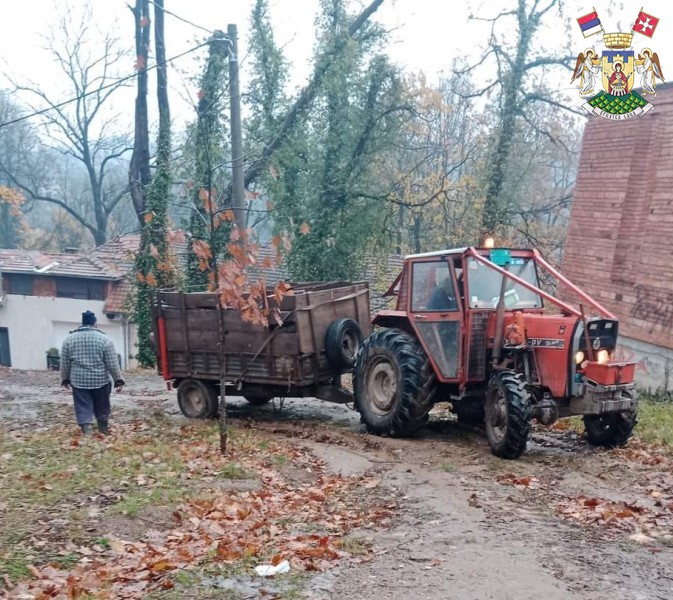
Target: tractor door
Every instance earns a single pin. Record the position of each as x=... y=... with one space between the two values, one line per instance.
x=436 y=315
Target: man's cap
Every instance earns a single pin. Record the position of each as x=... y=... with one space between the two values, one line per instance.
x=88 y=318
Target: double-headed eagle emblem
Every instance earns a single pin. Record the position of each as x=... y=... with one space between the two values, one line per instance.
x=620 y=70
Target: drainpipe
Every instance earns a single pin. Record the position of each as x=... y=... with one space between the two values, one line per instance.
x=125 y=342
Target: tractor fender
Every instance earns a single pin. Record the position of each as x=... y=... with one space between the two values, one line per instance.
x=394 y=319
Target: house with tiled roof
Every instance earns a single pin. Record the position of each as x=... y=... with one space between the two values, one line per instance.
x=42 y=296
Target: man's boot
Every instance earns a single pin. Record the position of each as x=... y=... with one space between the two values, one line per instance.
x=86 y=429
x=103 y=427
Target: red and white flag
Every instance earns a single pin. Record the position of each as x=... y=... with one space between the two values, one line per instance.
x=645 y=24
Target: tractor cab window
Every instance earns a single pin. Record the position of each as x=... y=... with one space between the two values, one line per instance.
x=432 y=287
x=484 y=285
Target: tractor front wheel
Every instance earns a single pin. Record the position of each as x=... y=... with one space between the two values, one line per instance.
x=393 y=383
x=508 y=414
x=611 y=430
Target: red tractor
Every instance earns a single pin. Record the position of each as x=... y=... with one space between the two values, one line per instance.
x=470 y=327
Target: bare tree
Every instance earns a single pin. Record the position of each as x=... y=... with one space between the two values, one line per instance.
x=519 y=93
x=85 y=130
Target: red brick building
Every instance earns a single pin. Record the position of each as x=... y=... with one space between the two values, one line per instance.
x=620 y=240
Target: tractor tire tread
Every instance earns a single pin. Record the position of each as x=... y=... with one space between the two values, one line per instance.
x=417 y=384
x=617 y=435
x=519 y=413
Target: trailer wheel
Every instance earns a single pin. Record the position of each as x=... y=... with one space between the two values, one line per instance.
x=611 y=430
x=393 y=382
x=257 y=400
x=508 y=414
x=197 y=399
x=343 y=340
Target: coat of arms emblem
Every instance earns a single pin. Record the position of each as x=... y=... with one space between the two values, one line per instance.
x=619 y=69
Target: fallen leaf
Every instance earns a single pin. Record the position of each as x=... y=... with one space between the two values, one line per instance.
x=117 y=546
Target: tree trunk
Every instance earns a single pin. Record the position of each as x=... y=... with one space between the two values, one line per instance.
x=495 y=210
x=139 y=169
x=223 y=381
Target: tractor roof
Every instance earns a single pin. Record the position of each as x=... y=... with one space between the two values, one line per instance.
x=437 y=253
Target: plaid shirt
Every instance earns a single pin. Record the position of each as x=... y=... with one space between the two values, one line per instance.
x=88 y=359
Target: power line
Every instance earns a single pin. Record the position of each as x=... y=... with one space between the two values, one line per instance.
x=100 y=89
x=179 y=18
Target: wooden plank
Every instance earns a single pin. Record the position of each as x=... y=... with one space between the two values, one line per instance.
x=284 y=343
x=185 y=336
x=201 y=300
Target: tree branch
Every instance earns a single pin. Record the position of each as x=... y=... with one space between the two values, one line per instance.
x=307 y=95
x=539 y=98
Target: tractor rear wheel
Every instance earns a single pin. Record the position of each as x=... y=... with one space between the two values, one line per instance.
x=611 y=430
x=393 y=383
x=508 y=414
x=198 y=399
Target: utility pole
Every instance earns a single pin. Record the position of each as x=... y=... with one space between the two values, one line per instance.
x=236 y=131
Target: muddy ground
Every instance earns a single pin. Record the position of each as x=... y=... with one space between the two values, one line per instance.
x=566 y=521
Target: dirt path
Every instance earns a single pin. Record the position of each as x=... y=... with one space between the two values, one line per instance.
x=563 y=522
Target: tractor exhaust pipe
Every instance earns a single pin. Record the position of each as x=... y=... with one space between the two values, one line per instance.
x=500 y=320
x=587 y=339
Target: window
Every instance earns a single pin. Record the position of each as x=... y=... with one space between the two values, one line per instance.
x=484 y=285
x=441 y=338
x=432 y=287
x=81 y=289
x=21 y=285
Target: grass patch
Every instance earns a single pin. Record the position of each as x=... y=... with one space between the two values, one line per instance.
x=234 y=471
x=448 y=467
x=14 y=566
x=280 y=460
x=354 y=545
x=655 y=421
x=54 y=474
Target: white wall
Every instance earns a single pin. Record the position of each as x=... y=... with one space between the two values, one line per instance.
x=37 y=323
x=654 y=364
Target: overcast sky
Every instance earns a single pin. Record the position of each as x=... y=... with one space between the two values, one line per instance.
x=425 y=34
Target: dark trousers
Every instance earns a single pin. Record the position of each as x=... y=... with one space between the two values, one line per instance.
x=90 y=403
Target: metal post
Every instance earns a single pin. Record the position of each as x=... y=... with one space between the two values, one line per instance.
x=236 y=130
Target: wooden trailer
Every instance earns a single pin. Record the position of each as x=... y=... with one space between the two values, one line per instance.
x=322 y=330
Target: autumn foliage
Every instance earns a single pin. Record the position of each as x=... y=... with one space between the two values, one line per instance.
x=213 y=524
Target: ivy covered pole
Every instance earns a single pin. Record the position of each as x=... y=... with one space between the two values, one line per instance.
x=237 y=171
x=208 y=149
x=154 y=269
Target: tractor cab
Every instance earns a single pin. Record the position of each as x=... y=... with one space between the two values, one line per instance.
x=487 y=335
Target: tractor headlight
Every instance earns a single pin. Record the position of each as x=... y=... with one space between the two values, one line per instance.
x=579 y=357
x=603 y=356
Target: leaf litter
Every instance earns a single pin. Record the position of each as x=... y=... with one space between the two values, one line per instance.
x=302 y=523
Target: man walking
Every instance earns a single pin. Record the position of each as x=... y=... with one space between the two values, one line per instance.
x=88 y=360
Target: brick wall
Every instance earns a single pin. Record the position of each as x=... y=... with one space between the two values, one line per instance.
x=620 y=239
